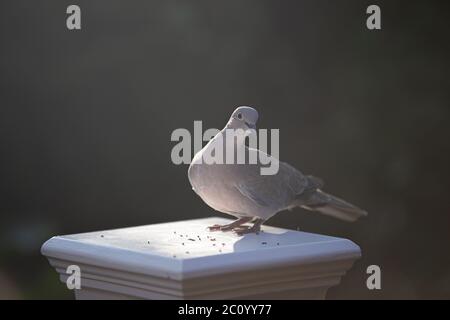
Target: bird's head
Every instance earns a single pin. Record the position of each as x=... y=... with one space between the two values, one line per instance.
x=243 y=118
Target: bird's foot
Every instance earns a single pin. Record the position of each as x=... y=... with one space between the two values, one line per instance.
x=215 y=227
x=241 y=230
x=229 y=227
x=218 y=227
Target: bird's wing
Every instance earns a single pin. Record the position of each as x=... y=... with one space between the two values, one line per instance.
x=274 y=191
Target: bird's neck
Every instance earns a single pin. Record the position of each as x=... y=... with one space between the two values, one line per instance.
x=227 y=139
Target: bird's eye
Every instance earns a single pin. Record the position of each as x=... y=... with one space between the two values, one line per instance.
x=239 y=115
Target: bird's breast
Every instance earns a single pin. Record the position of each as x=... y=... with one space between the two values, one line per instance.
x=215 y=186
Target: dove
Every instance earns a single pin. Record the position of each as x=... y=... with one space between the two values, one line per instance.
x=240 y=190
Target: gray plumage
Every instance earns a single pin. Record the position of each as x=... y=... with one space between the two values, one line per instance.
x=240 y=189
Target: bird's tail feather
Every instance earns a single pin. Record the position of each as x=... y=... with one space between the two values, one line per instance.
x=333 y=206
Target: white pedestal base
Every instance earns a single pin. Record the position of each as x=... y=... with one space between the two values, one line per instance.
x=183 y=260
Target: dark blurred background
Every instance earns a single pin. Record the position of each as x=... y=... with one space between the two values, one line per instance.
x=86 y=118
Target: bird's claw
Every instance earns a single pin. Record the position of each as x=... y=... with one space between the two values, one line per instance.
x=240 y=231
x=215 y=227
x=218 y=227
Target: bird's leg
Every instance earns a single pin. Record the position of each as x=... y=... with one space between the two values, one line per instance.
x=230 y=226
x=256 y=228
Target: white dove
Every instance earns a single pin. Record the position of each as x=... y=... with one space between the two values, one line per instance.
x=241 y=191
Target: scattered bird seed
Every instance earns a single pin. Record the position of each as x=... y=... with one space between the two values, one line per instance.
x=213 y=239
x=191 y=239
